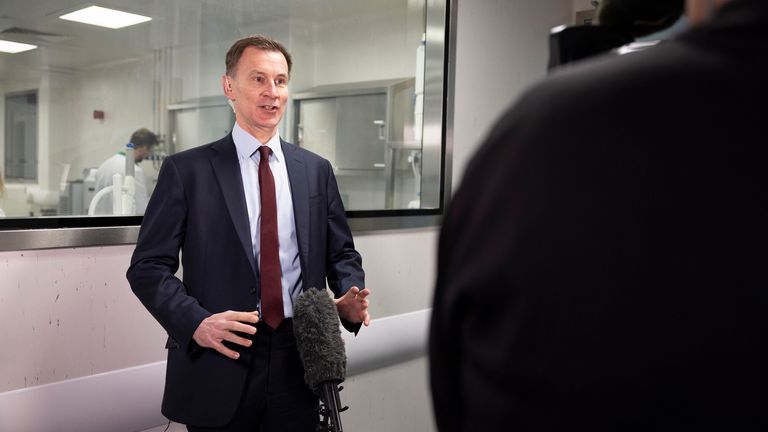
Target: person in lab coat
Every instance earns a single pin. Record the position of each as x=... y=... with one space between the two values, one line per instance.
x=143 y=140
x=602 y=265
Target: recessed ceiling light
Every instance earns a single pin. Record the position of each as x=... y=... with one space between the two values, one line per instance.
x=110 y=18
x=15 y=47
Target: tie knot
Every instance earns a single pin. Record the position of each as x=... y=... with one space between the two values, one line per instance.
x=264 y=151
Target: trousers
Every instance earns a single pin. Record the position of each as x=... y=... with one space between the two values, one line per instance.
x=276 y=397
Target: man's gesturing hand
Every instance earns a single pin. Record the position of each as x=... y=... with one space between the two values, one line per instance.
x=353 y=306
x=221 y=327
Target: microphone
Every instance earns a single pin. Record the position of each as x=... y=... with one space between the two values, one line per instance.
x=318 y=340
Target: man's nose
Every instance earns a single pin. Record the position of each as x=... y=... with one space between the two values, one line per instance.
x=270 y=89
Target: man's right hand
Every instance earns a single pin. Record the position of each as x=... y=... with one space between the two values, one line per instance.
x=220 y=327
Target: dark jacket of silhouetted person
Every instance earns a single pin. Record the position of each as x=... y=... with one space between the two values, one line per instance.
x=603 y=263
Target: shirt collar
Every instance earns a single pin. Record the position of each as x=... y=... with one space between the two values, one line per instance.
x=247 y=145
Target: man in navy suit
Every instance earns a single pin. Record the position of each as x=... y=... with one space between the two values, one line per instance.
x=228 y=369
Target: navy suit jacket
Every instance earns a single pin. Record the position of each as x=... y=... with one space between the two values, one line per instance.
x=199 y=208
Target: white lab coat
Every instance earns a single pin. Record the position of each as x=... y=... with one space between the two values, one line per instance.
x=104 y=174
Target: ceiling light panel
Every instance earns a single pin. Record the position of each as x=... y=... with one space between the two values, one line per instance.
x=104 y=17
x=15 y=47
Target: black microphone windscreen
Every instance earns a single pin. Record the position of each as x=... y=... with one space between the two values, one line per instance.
x=318 y=338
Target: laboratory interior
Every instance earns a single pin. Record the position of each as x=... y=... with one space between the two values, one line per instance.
x=396 y=94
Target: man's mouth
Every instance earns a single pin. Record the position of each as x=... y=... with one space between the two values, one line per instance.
x=268 y=107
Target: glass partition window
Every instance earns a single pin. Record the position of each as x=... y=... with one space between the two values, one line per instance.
x=364 y=94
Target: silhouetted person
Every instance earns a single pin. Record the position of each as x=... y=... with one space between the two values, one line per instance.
x=602 y=265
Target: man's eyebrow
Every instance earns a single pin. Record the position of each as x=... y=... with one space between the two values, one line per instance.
x=258 y=72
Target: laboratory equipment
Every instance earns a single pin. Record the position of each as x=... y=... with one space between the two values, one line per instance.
x=123 y=189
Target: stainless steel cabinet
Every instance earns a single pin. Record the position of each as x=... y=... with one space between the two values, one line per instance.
x=366 y=131
x=347 y=130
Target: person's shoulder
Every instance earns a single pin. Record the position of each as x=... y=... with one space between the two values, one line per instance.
x=114 y=157
x=611 y=76
x=582 y=104
x=111 y=163
x=609 y=87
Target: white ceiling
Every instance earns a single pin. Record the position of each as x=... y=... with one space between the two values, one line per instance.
x=70 y=45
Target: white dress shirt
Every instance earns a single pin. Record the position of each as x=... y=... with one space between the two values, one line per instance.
x=249 y=157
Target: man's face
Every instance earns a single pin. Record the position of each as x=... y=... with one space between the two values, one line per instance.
x=141 y=152
x=259 y=91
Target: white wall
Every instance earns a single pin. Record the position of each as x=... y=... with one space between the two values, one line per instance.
x=501 y=48
x=77 y=307
x=69 y=313
x=579 y=5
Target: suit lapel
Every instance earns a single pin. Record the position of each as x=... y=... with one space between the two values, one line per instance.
x=227 y=170
x=297 y=176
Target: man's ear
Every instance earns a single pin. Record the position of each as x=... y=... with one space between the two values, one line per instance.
x=226 y=84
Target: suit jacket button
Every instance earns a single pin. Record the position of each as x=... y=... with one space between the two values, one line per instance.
x=253 y=290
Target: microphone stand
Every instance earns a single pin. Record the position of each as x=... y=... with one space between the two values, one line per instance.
x=330 y=407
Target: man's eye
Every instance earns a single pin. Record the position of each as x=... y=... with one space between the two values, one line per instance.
x=281 y=82
x=258 y=79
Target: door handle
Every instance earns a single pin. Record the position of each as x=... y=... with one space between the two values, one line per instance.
x=381 y=124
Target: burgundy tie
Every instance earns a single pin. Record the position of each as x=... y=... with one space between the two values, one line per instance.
x=269 y=266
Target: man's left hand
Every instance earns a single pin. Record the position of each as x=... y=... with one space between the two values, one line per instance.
x=353 y=306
